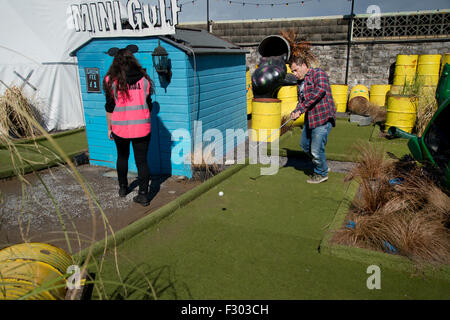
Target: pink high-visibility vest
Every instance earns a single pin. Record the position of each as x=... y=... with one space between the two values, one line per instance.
x=131 y=116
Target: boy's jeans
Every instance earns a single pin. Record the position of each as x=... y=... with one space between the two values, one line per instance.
x=313 y=142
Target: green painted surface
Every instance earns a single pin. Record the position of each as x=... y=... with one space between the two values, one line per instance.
x=42 y=154
x=398 y=147
x=258 y=241
x=342 y=139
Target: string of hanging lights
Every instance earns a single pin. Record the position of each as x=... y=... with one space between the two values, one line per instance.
x=187 y=2
x=256 y=4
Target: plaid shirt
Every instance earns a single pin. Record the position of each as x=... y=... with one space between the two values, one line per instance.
x=316 y=99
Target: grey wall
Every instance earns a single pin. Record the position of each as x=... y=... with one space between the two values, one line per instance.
x=253 y=31
x=369 y=63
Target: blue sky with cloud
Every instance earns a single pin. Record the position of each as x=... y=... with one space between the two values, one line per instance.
x=223 y=10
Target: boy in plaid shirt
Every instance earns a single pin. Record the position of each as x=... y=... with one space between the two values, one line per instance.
x=314 y=98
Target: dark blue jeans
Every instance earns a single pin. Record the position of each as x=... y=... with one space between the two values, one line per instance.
x=313 y=142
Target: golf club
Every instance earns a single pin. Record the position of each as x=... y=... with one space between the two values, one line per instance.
x=254 y=178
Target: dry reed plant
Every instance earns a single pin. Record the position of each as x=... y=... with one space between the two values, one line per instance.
x=14 y=111
x=204 y=164
x=359 y=105
x=421 y=237
x=371 y=197
x=372 y=172
x=410 y=218
x=378 y=114
x=20 y=119
x=426 y=108
x=424 y=98
x=413 y=87
x=369 y=232
x=300 y=47
x=372 y=162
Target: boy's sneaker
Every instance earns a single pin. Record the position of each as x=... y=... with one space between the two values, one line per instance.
x=317 y=178
x=142 y=199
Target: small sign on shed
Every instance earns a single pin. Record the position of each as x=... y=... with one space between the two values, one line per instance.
x=92 y=79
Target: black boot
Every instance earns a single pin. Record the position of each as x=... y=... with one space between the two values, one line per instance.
x=142 y=198
x=123 y=190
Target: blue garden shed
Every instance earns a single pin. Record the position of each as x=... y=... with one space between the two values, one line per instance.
x=208 y=84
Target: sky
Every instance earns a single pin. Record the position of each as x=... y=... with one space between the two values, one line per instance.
x=195 y=11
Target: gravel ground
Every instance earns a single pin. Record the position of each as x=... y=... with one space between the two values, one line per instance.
x=34 y=206
x=27 y=211
x=333 y=166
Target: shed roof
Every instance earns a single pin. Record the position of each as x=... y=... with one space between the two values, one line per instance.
x=194 y=40
x=201 y=42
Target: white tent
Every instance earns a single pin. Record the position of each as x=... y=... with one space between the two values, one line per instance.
x=35 y=42
x=36 y=39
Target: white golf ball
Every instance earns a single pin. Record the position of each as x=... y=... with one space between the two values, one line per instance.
x=220 y=193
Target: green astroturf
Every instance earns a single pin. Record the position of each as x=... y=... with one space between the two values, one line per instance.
x=341 y=140
x=258 y=241
x=42 y=154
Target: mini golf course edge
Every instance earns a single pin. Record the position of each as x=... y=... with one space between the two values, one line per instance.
x=28 y=168
x=144 y=223
x=390 y=261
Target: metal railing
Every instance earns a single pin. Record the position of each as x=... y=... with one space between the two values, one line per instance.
x=396 y=26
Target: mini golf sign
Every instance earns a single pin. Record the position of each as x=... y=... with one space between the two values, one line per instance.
x=106 y=19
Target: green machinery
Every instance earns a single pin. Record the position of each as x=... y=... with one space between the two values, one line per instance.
x=434 y=145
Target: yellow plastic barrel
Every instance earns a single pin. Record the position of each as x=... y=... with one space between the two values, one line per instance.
x=15 y=289
x=37 y=274
x=266 y=117
x=428 y=69
x=249 y=92
x=29 y=266
x=405 y=69
x=339 y=93
x=359 y=91
x=378 y=94
x=289 y=99
x=445 y=59
x=301 y=120
x=401 y=112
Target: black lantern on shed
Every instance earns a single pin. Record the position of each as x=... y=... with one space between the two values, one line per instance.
x=161 y=62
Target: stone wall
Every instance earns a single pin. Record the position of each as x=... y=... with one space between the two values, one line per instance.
x=315 y=29
x=253 y=32
x=375 y=63
x=369 y=63
x=372 y=59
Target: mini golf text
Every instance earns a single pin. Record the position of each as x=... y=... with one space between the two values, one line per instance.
x=105 y=18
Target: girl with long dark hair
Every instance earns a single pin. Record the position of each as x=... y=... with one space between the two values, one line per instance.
x=128 y=90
